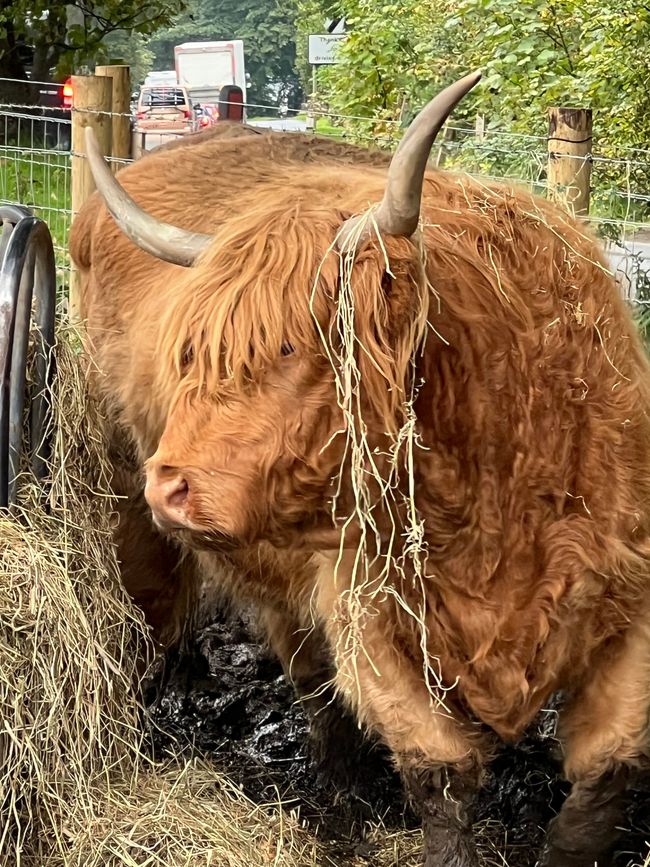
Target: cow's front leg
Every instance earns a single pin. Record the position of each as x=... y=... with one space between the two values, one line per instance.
x=584 y=832
x=605 y=734
x=345 y=755
x=445 y=797
x=439 y=754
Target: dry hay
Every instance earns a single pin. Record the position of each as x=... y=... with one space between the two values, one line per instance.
x=183 y=816
x=404 y=848
x=75 y=786
x=380 y=564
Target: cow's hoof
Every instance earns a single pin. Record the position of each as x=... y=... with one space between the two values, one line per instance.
x=551 y=856
x=348 y=759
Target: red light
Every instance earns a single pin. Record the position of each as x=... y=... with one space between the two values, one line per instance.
x=67 y=94
x=187 y=113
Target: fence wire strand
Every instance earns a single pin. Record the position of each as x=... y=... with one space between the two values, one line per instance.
x=36 y=157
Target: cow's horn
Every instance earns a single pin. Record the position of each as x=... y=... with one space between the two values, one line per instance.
x=399 y=211
x=178 y=246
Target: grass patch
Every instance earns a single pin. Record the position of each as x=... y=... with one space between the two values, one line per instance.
x=40 y=180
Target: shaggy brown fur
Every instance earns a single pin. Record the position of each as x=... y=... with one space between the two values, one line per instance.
x=531 y=474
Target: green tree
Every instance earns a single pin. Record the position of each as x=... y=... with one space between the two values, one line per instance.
x=395 y=55
x=132 y=49
x=268 y=29
x=576 y=52
x=46 y=36
x=579 y=52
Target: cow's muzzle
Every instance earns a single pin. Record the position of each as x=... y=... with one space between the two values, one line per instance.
x=167 y=492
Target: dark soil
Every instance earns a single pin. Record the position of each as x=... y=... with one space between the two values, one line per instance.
x=228 y=698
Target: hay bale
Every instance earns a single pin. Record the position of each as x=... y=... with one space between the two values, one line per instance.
x=184 y=815
x=69 y=636
x=75 y=786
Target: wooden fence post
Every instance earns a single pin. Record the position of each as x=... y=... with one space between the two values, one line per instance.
x=121 y=108
x=137 y=144
x=91 y=106
x=569 y=157
x=447 y=136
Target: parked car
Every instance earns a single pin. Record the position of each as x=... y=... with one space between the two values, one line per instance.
x=165 y=109
x=206 y=115
x=55 y=107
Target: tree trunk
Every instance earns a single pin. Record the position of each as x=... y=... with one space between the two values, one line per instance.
x=12 y=66
x=14 y=89
x=41 y=64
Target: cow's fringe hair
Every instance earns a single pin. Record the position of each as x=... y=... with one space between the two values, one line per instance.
x=368 y=312
x=233 y=327
x=221 y=335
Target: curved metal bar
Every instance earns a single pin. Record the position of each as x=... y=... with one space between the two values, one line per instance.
x=27 y=271
x=9 y=216
x=18 y=374
x=14 y=213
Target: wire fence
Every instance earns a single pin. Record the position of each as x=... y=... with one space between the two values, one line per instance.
x=36 y=156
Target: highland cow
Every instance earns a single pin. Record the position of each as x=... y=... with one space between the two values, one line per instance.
x=417 y=431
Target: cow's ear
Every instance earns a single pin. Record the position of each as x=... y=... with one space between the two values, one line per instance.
x=398 y=287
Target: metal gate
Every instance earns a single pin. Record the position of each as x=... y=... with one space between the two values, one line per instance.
x=27 y=306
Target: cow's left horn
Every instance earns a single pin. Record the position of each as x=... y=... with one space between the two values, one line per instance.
x=162 y=240
x=399 y=211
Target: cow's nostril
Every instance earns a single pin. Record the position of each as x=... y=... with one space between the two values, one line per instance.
x=167 y=493
x=178 y=494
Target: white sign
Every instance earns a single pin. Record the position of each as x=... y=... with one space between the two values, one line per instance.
x=323 y=48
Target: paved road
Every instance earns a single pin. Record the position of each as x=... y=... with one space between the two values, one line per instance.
x=629 y=262
x=153 y=139
x=288 y=124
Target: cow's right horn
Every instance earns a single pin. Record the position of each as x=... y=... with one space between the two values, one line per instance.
x=162 y=240
x=399 y=211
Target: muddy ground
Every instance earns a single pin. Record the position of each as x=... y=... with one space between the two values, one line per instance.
x=228 y=697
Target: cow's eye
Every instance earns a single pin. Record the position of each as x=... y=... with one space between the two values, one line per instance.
x=286 y=348
x=187 y=356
